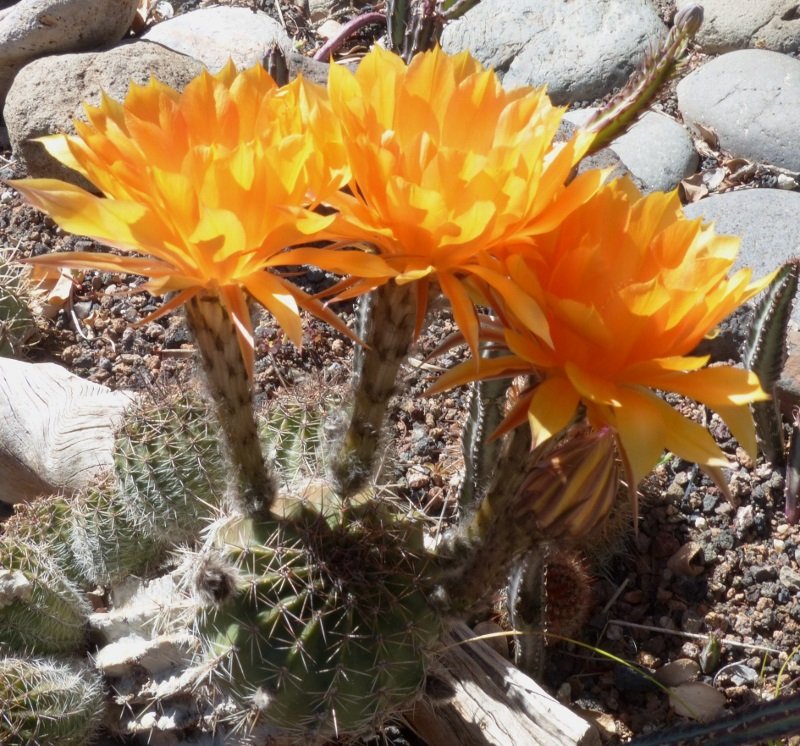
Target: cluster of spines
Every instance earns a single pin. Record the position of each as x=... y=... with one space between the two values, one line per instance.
x=45 y=701
x=18 y=323
x=327 y=627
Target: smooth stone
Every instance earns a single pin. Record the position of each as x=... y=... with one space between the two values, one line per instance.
x=33 y=28
x=581 y=49
x=657 y=151
x=751 y=99
x=735 y=24
x=49 y=93
x=216 y=35
x=766 y=221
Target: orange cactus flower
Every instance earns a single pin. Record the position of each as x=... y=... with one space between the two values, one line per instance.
x=629 y=287
x=445 y=164
x=209 y=185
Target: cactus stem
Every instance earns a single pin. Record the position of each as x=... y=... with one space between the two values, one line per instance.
x=390 y=320
x=229 y=384
x=481 y=553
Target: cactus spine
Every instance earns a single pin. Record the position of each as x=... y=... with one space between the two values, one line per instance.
x=47 y=702
x=18 y=322
x=323 y=627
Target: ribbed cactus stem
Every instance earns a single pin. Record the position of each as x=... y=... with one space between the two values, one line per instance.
x=389 y=324
x=323 y=627
x=229 y=385
x=481 y=553
x=486 y=410
x=41 y=611
x=46 y=702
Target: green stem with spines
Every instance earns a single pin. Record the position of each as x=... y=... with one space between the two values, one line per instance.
x=41 y=610
x=476 y=559
x=229 y=385
x=485 y=412
x=388 y=321
x=43 y=701
x=765 y=354
x=615 y=118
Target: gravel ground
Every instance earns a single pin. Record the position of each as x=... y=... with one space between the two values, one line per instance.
x=698 y=570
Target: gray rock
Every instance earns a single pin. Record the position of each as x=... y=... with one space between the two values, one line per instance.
x=751 y=99
x=215 y=35
x=581 y=49
x=33 y=28
x=48 y=94
x=790 y=578
x=734 y=24
x=766 y=220
x=658 y=151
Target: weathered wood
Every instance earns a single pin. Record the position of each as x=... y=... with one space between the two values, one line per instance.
x=56 y=430
x=495 y=704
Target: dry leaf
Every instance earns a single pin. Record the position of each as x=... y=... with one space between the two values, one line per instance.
x=688 y=560
x=692 y=189
x=51 y=288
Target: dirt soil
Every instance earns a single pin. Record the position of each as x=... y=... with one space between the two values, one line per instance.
x=698 y=574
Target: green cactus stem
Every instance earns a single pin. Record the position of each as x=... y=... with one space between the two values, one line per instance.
x=765 y=354
x=229 y=384
x=169 y=479
x=46 y=702
x=388 y=322
x=561 y=489
x=41 y=610
x=322 y=626
x=476 y=559
x=485 y=412
x=527 y=610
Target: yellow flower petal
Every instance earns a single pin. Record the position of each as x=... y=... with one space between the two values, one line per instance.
x=210 y=184
x=552 y=407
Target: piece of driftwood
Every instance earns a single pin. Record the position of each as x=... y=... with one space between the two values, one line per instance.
x=56 y=429
x=493 y=703
x=56 y=434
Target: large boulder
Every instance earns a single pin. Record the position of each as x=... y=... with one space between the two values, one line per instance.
x=33 y=28
x=735 y=24
x=751 y=99
x=215 y=35
x=580 y=49
x=48 y=94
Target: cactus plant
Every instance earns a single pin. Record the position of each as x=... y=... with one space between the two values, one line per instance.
x=325 y=625
x=318 y=603
x=49 y=702
x=19 y=326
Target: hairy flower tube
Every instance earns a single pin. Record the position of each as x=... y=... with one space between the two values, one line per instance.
x=445 y=164
x=209 y=185
x=629 y=287
x=572 y=489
